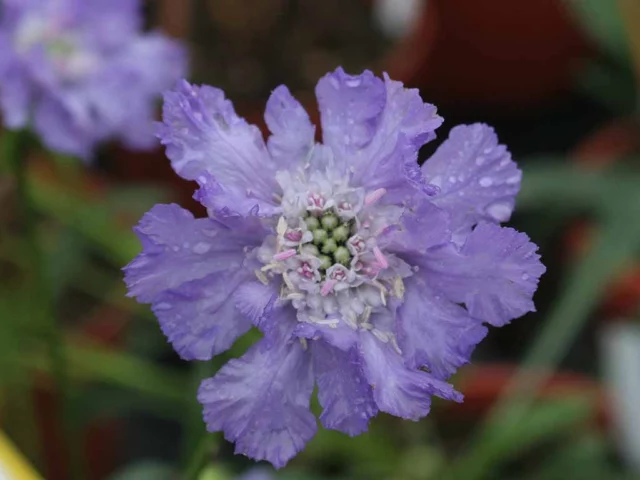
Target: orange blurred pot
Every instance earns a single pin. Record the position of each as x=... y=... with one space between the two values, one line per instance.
x=482 y=385
x=502 y=53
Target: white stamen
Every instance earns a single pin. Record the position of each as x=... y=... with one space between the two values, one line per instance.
x=374 y=196
x=398 y=287
x=383 y=337
x=284 y=255
x=366 y=314
x=288 y=281
x=295 y=296
x=261 y=276
x=281 y=228
x=394 y=344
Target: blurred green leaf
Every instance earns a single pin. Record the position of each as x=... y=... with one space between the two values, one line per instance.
x=145 y=471
x=601 y=20
x=613 y=87
x=583 y=458
x=544 y=422
x=96 y=363
x=92 y=219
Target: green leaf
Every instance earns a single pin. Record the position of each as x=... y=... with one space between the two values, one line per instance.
x=146 y=470
x=601 y=20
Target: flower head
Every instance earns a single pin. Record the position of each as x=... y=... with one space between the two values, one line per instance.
x=80 y=71
x=368 y=275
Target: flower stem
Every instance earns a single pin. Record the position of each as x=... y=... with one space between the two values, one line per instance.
x=44 y=306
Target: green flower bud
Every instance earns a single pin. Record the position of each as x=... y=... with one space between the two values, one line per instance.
x=342 y=255
x=325 y=262
x=329 y=246
x=329 y=221
x=312 y=223
x=341 y=233
x=319 y=236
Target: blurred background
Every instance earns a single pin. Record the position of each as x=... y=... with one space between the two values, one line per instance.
x=554 y=395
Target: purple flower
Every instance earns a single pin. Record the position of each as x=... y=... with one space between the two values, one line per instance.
x=80 y=71
x=369 y=276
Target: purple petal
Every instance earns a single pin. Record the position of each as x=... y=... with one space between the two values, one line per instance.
x=476 y=176
x=343 y=391
x=59 y=130
x=256 y=301
x=200 y=318
x=423 y=226
x=398 y=390
x=292 y=134
x=377 y=127
x=261 y=401
x=341 y=336
x=495 y=273
x=177 y=248
x=434 y=332
x=15 y=93
x=203 y=134
x=351 y=107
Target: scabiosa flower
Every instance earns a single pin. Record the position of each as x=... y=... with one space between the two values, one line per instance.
x=80 y=71
x=368 y=275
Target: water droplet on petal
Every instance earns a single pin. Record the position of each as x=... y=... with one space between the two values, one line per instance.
x=499 y=211
x=486 y=182
x=452 y=179
x=515 y=179
x=480 y=160
x=163 y=306
x=201 y=248
x=525 y=276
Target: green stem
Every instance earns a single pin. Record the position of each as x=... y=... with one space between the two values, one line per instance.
x=613 y=246
x=17 y=155
x=198 y=443
x=202 y=453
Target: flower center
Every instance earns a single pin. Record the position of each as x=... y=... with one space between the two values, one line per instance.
x=69 y=60
x=327 y=252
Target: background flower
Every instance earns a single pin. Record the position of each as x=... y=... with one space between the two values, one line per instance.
x=79 y=72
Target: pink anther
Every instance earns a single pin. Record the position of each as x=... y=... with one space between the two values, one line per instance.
x=373 y=197
x=284 y=255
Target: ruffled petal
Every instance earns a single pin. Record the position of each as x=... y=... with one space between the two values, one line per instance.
x=350 y=107
x=261 y=401
x=292 y=133
x=200 y=317
x=377 y=127
x=422 y=226
x=476 y=176
x=343 y=391
x=177 y=248
x=398 y=390
x=434 y=332
x=495 y=273
x=203 y=134
x=340 y=336
x=256 y=301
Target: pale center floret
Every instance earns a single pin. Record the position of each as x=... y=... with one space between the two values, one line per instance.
x=326 y=252
x=71 y=60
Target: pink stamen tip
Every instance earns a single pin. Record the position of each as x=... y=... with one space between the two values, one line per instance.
x=327 y=287
x=293 y=235
x=382 y=260
x=374 y=196
x=284 y=255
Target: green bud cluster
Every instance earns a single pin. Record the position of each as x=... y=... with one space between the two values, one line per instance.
x=329 y=239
